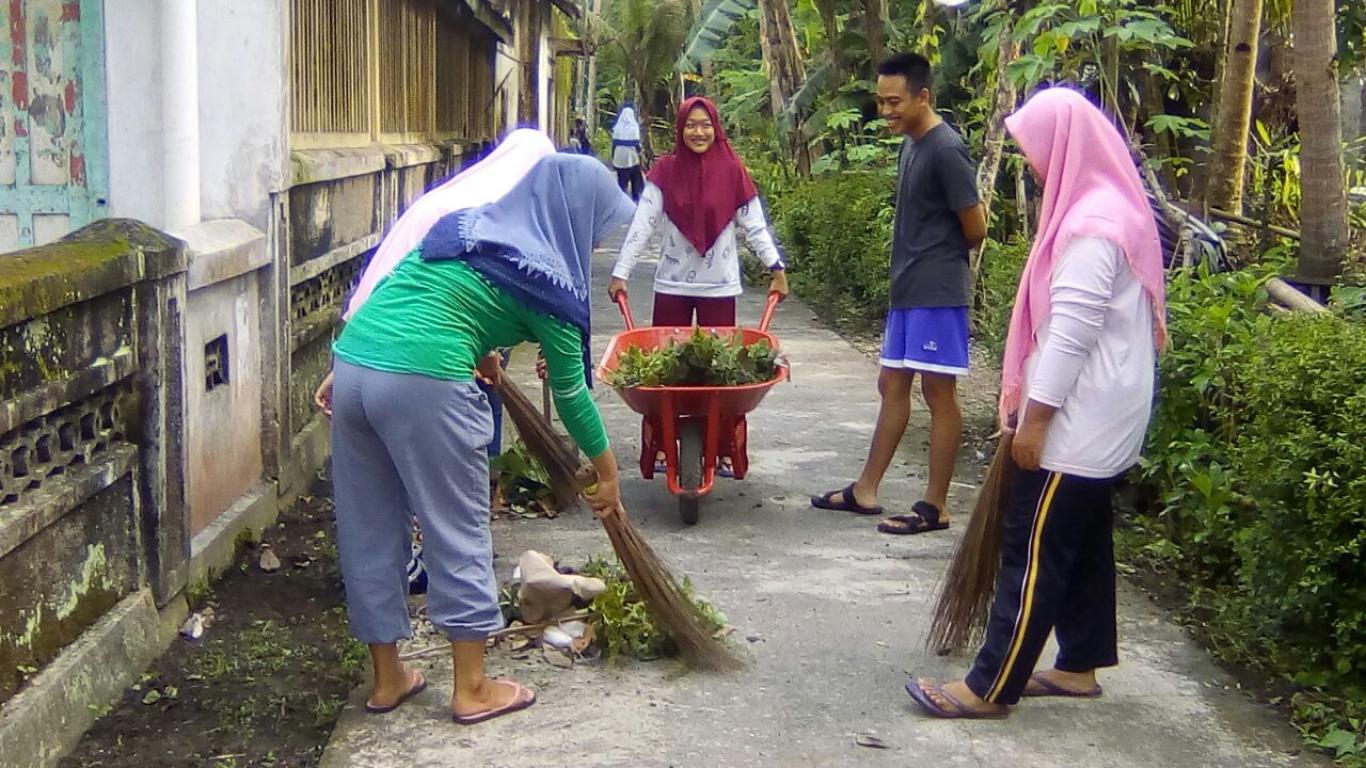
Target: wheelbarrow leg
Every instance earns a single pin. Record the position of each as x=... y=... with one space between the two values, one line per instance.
x=649 y=447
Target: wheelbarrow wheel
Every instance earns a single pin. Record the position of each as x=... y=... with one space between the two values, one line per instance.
x=689 y=470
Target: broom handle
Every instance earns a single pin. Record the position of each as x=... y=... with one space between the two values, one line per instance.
x=545 y=398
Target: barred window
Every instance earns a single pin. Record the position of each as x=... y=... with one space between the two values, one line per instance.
x=329 y=66
x=407 y=67
x=392 y=70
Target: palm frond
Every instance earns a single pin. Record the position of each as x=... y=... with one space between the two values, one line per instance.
x=709 y=33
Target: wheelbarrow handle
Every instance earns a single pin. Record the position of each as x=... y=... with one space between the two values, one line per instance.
x=624 y=304
x=774 y=299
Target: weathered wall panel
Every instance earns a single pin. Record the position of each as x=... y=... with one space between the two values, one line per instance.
x=52 y=123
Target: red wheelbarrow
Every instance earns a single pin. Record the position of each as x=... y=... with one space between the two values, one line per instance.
x=693 y=426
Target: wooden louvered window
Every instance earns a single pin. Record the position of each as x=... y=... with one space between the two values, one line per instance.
x=329 y=66
x=394 y=71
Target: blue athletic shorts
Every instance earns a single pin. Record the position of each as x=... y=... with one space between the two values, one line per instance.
x=927 y=339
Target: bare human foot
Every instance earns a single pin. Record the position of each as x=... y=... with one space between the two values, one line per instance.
x=963 y=699
x=1075 y=683
x=387 y=697
x=865 y=497
x=489 y=696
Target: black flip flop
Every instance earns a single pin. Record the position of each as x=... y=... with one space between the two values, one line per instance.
x=924 y=518
x=414 y=690
x=843 y=501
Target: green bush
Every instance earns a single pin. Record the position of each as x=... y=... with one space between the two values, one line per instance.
x=1001 y=267
x=837 y=233
x=1255 y=458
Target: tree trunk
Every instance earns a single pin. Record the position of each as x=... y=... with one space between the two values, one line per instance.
x=708 y=66
x=1202 y=176
x=830 y=24
x=929 y=41
x=647 y=146
x=528 y=110
x=592 y=81
x=1231 y=125
x=1154 y=103
x=1323 y=205
x=875 y=28
x=1109 y=79
x=782 y=58
x=1022 y=198
x=1002 y=104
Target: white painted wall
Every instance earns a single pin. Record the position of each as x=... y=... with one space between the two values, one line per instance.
x=133 y=83
x=243 y=119
x=243 y=153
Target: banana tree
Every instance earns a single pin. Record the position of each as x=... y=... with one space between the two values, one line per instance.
x=778 y=43
x=647 y=35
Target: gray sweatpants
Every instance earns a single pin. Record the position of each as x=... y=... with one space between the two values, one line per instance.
x=405 y=445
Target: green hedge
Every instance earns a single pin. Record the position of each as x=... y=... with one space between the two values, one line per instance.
x=1257 y=461
x=837 y=235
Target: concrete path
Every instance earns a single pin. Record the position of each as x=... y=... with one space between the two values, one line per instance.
x=831 y=614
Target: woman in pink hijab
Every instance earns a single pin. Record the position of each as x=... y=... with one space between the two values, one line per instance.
x=1077 y=390
x=484 y=182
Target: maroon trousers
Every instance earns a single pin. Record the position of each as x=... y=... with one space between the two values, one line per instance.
x=674 y=310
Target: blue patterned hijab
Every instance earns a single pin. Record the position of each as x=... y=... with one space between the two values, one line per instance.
x=536 y=242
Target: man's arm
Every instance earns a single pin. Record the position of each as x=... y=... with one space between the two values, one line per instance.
x=974 y=222
x=958 y=175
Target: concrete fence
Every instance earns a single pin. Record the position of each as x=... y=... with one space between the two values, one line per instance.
x=92 y=480
x=155 y=409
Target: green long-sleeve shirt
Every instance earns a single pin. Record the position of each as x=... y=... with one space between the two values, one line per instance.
x=438 y=318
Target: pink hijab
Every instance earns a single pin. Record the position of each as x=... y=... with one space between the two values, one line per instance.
x=1091 y=189
x=484 y=182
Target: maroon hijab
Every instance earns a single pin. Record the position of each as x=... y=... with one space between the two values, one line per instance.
x=702 y=192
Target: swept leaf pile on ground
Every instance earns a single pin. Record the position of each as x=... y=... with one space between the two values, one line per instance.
x=621 y=621
x=704 y=360
x=523 y=484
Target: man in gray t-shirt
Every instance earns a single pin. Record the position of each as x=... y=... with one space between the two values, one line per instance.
x=939 y=219
x=935 y=180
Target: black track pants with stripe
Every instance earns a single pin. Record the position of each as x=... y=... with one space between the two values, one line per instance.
x=1057 y=574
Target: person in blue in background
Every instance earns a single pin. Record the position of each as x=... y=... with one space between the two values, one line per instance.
x=626 y=151
x=578 y=139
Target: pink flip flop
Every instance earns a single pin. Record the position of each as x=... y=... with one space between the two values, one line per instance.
x=413 y=690
x=525 y=697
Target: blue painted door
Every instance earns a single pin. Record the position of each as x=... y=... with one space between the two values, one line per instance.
x=53 y=147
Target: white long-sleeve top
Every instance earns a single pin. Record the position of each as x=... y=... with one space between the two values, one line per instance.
x=1094 y=362
x=682 y=271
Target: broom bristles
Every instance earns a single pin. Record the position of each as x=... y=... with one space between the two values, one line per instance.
x=671 y=609
x=676 y=615
x=964 y=603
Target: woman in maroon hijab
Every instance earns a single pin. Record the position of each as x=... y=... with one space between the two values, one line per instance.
x=696 y=198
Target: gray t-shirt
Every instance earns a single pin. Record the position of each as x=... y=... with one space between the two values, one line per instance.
x=936 y=178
